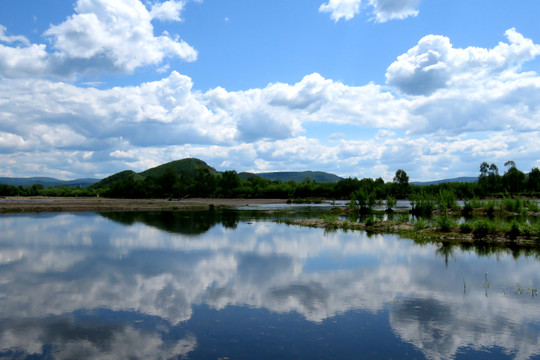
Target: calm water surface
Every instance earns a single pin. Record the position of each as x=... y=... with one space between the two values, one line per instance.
x=233 y=285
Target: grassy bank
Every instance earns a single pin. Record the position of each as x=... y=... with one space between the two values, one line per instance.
x=506 y=229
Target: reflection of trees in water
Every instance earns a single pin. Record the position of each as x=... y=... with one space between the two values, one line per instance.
x=182 y=222
x=483 y=248
x=446 y=250
x=199 y=222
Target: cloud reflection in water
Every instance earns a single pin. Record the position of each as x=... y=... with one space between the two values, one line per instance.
x=53 y=268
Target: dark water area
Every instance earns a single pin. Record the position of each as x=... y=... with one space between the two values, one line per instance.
x=236 y=285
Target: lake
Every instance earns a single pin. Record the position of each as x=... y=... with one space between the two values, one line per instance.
x=237 y=285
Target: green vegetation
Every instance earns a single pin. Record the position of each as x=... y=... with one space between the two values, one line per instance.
x=362 y=201
x=420 y=224
x=445 y=223
x=194 y=178
x=297 y=176
x=187 y=166
x=422 y=203
x=500 y=211
x=390 y=203
x=465 y=228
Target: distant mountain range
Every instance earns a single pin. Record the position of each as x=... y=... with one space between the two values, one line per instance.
x=318 y=176
x=436 y=182
x=46 y=182
x=190 y=166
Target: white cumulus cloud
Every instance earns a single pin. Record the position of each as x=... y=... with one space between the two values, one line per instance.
x=435 y=64
x=168 y=10
x=376 y=128
x=102 y=36
x=12 y=38
x=382 y=10
x=338 y=9
x=385 y=10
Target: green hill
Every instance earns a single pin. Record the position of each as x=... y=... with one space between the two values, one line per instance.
x=297 y=176
x=188 y=166
x=115 y=177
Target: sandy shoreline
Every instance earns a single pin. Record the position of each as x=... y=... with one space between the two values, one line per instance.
x=70 y=204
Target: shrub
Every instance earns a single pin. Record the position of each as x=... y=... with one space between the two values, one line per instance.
x=403 y=218
x=444 y=223
x=370 y=221
x=446 y=200
x=467 y=209
x=535 y=230
x=514 y=231
x=490 y=207
x=390 y=203
x=465 y=228
x=482 y=228
x=422 y=204
x=362 y=201
x=532 y=205
x=475 y=203
x=513 y=205
x=420 y=224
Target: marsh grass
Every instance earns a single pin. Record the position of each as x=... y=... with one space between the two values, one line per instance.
x=513 y=205
x=482 y=228
x=420 y=224
x=445 y=223
x=475 y=203
x=390 y=203
x=446 y=200
x=466 y=227
x=330 y=221
x=467 y=209
x=422 y=204
x=403 y=218
x=531 y=205
x=489 y=206
x=514 y=231
x=329 y=218
x=370 y=221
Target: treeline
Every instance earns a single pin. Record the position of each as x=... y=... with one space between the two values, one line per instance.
x=202 y=183
x=40 y=190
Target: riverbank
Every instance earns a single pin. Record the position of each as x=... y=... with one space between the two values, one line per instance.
x=81 y=204
x=506 y=233
x=515 y=237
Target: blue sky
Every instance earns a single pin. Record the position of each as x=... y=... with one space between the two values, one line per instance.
x=359 y=88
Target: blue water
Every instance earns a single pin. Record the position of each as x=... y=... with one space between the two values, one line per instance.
x=234 y=285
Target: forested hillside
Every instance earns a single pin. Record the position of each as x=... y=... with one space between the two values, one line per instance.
x=195 y=178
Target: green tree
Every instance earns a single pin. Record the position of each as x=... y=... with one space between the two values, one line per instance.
x=513 y=179
x=345 y=187
x=489 y=180
x=362 y=201
x=167 y=181
x=228 y=182
x=390 y=203
x=204 y=183
x=401 y=180
x=533 y=182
